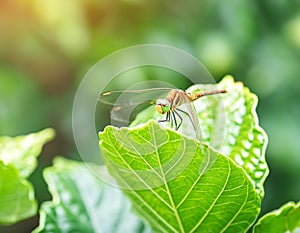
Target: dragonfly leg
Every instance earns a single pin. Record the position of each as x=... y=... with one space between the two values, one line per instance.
x=167 y=119
x=188 y=117
x=177 y=126
x=174 y=118
x=194 y=126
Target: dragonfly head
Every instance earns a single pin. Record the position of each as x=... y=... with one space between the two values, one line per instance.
x=162 y=106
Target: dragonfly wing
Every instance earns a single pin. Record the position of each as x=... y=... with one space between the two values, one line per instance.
x=121 y=116
x=127 y=104
x=124 y=115
x=190 y=124
x=132 y=97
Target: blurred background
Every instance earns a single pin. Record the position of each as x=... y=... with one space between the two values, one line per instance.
x=46 y=48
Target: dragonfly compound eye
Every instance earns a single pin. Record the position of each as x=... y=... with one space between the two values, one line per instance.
x=162 y=106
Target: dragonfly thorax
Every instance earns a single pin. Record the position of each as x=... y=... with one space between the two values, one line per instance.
x=162 y=106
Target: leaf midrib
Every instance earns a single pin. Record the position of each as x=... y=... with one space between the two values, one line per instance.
x=167 y=186
x=137 y=195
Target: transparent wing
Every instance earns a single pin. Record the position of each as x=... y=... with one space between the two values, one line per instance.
x=190 y=125
x=127 y=104
x=124 y=115
x=133 y=97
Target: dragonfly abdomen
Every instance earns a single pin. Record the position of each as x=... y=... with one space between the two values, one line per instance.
x=194 y=96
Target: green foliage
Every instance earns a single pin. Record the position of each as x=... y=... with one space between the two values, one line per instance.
x=22 y=151
x=47 y=46
x=181 y=191
x=243 y=140
x=83 y=203
x=175 y=183
x=286 y=219
x=17 y=200
x=177 y=186
x=17 y=161
x=229 y=124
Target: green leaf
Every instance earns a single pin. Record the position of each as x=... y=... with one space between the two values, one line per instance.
x=83 y=203
x=286 y=219
x=17 y=161
x=22 y=151
x=229 y=124
x=174 y=186
x=16 y=196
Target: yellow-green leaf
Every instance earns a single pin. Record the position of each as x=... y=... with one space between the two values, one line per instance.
x=176 y=187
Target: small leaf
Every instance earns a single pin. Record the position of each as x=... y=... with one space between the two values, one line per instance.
x=174 y=186
x=229 y=123
x=286 y=219
x=22 y=151
x=17 y=161
x=16 y=196
x=83 y=203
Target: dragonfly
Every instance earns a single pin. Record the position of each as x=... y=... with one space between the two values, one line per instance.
x=167 y=101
